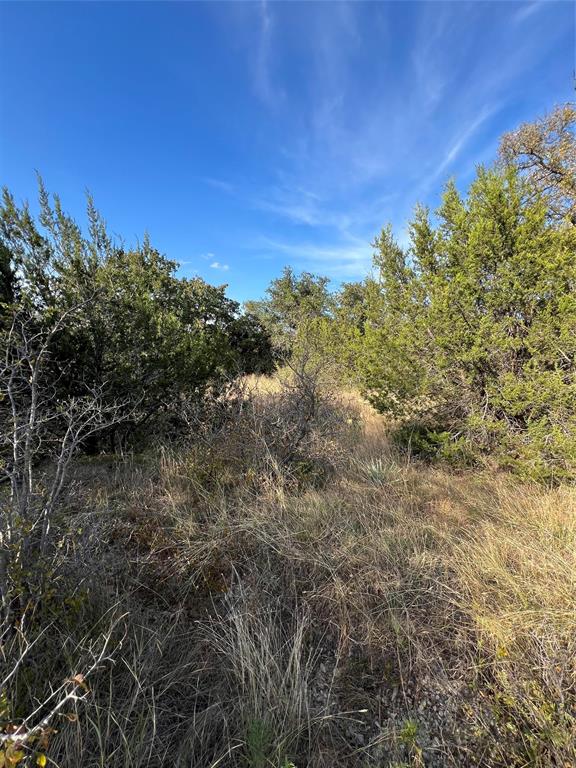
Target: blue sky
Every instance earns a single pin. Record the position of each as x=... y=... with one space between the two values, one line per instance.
x=244 y=136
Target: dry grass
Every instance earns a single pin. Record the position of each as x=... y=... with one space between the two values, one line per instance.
x=389 y=614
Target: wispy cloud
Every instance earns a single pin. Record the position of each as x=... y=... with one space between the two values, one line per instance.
x=219 y=266
x=349 y=146
x=344 y=217
x=338 y=260
x=301 y=207
x=265 y=88
x=460 y=142
x=220 y=184
x=527 y=10
x=366 y=127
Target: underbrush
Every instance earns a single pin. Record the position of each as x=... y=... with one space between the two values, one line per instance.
x=286 y=588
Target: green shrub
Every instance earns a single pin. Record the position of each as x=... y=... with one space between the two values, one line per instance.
x=472 y=329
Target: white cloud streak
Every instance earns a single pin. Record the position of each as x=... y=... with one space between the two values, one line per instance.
x=268 y=92
x=527 y=10
x=460 y=142
x=220 y=184
x=221 y=267
x=338 y=260
x=359 y=147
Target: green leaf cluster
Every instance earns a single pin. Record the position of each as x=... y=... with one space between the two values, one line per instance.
x=473 y=329
x=134 y=327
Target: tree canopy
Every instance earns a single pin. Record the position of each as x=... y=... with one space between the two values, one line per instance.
x=134 y=327
x=545 y=151
x=291 y=301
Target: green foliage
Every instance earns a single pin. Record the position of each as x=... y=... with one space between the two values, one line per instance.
x=292 y=301
x=136 y=329
x=429 y=443
x=466 y=334
x=262 y=749
x=259 y=744
x=352 y=305
x=379 y=472
x=409 y=732
x=472 y=331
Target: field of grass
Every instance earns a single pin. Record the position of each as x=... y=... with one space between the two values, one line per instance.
x=337 y=604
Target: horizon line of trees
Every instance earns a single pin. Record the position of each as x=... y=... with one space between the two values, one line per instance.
x=467 y=335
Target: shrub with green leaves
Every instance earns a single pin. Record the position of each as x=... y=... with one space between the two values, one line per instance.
x=138 y=330
x=472 y=330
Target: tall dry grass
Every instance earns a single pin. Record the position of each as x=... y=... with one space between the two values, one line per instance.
x=333 y=604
